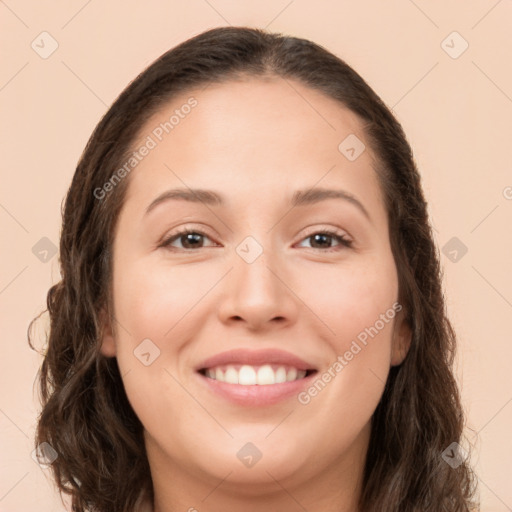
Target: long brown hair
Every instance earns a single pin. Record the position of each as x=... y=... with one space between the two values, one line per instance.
x=86 y=417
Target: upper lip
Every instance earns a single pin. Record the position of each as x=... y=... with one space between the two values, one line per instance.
x=256 y=358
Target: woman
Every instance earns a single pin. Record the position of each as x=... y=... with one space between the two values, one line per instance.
x=203 y=354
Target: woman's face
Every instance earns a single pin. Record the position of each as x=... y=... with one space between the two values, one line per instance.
x=260 y=285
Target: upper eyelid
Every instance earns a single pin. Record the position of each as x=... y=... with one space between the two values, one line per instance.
x=187 y=229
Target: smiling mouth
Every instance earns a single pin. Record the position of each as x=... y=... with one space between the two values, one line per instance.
x=248 y=375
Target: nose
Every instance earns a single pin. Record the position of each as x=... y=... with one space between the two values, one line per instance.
x=259 y=294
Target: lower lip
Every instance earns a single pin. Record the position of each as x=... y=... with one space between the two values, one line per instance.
x=257 y=395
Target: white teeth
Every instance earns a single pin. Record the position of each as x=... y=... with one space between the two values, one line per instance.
x=266 y=375
x=231 y=376
x=248 y=375
x=292 y=374
x=281 y=375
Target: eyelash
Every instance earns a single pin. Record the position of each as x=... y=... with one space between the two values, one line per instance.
x=345 y=242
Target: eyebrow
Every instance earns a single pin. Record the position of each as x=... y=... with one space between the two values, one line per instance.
x=299 y=198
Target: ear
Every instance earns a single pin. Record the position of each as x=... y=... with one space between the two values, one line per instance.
x=108 y=345
x=402 y=336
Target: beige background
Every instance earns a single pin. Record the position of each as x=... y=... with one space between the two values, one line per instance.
x=456 y=112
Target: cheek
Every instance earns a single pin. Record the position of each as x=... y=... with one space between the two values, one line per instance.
x=351 y=298
x=151 y=310
x=160 y=303
x=150 y=299
x=359 y=307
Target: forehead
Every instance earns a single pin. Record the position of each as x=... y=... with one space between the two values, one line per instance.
x=251 y=137
x=253 y=110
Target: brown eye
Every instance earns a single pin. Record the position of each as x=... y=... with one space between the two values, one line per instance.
x=189 y=239
x=323 y=239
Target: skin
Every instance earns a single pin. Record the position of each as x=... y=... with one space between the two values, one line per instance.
x=255 y=141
